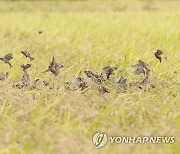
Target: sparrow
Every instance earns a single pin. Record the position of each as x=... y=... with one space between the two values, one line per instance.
x=95 y=77
x=3 y=76
x=81 y=83
x=90 y=74
x=57 y=68
x=7 y=58
x=103 y=89
x=27 y=55
x=141 y=67
x=121 y=84
x=122 y=80
x=158 y=54
x=25 y=78
x=25 y=66
x=51 y=65
x=109 y=71
x=54 y=67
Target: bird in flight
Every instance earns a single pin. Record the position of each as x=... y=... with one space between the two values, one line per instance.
x=54 y=67
x=141 y=67
x=27 y=55
x=158 y=54
x=25 y=78
x=7 y=58
x=109 y=71
x=25 y=66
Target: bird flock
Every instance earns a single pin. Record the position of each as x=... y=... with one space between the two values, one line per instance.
x=80 y=83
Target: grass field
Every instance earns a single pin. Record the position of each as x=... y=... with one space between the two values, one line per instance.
x=88 y=36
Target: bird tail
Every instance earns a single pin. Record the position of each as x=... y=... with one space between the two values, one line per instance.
x=10 y=65
x=31 y=58
x=46 y=71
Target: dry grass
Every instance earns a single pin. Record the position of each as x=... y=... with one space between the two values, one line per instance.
x=61 y=121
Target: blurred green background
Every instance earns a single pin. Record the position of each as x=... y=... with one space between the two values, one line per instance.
x=89 y=5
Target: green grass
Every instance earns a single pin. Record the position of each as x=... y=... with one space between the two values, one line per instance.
x=62 y=121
